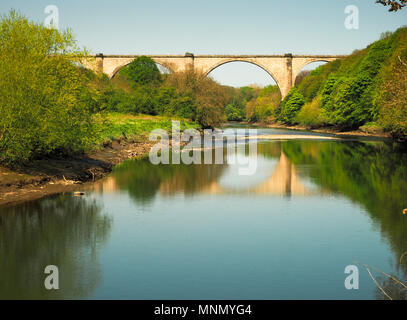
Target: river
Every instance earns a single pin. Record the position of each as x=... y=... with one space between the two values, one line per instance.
x=313 y=207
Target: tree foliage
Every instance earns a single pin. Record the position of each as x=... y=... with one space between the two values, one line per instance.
x=291 y=105
x=265 y=106
x=393 y=98
x=208 y=96
x=42 y=92
x=143 y=71
x=364 y=89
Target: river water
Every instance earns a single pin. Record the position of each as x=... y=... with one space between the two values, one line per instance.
x=313 y=207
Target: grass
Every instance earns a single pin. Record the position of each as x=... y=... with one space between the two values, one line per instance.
x=112 y=126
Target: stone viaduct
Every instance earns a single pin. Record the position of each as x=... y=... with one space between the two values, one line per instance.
x=282 y=68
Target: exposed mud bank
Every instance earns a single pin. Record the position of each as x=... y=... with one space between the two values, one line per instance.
x=54 y=175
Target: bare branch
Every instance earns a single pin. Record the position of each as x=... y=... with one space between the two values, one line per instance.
x=378 y=285
x=395 y=5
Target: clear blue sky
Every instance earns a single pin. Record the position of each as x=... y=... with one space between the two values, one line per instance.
x=217 y=27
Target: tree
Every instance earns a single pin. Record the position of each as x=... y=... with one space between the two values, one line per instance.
x=43 y=94
x=394 y=5
x=143 y=71
x=291 y=105
x=209 y=97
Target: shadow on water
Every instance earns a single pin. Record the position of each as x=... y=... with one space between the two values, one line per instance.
x=60 y=230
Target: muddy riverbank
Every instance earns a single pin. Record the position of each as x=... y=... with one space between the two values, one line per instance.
x=64 y=174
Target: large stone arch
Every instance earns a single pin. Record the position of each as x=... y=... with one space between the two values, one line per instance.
x=207 y=68
x=121 y=66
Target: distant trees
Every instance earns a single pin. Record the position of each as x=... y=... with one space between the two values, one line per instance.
x=394 y=5
x=264 y=108
x=188 y=94
x=238 y=100
x=43 y=94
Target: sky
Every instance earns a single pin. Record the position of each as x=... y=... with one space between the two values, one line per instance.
x=217 y=27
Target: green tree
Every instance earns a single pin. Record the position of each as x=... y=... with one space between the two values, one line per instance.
x=43 y=94
x=209 y=97
x=143 y=71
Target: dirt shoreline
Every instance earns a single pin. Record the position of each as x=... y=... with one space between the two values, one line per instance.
x=328 y=130
x=65 y=174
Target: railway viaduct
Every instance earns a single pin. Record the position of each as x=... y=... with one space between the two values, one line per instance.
x=282 y=68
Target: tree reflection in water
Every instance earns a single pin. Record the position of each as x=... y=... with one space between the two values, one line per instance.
x=57 y=229
x=61 y=230
x=372 y=174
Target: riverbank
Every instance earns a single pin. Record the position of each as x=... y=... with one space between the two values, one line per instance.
x=364 y=132
x=118 y=137
x=67 y=174
x=54 y=175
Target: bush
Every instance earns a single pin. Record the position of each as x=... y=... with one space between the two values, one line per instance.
x=43 y=95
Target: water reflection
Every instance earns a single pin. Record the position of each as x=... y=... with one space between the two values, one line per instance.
x=295 y=224
x=143 y=180
x=61 y=230
x=371 y=174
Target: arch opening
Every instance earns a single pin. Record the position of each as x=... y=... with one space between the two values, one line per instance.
x=255 y=94
x=307 y=69
x=163 y=69
x=235 y=73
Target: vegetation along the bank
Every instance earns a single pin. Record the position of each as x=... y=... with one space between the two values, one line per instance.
x=366 y=89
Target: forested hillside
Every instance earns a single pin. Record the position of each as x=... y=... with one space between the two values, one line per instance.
x=367 y=88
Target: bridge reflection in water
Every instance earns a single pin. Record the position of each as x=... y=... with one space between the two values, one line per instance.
x=283 y=179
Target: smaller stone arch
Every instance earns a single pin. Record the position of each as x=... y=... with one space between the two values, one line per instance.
x=299 y=63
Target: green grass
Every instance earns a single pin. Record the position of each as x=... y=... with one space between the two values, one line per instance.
x=111 y=126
